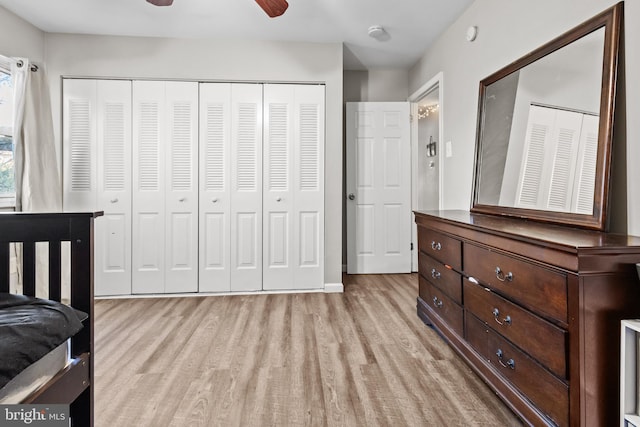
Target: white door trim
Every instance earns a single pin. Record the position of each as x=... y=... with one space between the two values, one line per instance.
x=435 y=81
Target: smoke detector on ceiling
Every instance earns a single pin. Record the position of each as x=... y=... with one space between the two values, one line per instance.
x=378 y=32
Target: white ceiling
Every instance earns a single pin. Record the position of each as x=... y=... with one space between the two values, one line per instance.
x=411 y=24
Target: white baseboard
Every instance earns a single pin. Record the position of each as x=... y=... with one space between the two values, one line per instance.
x=330 y=288
x=217 y=294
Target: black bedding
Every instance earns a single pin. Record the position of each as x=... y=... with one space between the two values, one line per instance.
x=29 y=329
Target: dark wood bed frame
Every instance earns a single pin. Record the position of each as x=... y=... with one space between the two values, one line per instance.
x=74 y=384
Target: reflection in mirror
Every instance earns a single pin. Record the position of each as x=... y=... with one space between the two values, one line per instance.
x=545 y=129
x=540 y=131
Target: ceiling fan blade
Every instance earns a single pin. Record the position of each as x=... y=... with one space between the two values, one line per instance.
x=273 y=8
x=161 y=2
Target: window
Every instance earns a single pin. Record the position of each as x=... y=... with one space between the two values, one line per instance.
x=7 y=175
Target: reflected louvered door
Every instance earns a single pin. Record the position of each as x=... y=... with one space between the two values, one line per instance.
x=293 y=197
x=584 y=187
x=215 y=203
x=246 y=187
x=531 y=181
x=565 y=139
x=181 y=186
x=113 y=230
x=148 y=222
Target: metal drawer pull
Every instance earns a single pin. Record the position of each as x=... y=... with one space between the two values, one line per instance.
x=502 y=277
x=436 y=246
x=435 y=273
x=114 y=200
x=510 y=363
x=437 y=302
x=505 y=321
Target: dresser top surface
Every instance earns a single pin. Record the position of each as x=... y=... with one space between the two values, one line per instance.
x=555 y=235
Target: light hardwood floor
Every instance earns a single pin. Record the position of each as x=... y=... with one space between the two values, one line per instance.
x=362 y=358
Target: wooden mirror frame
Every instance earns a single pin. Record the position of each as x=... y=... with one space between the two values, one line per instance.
x=611 y=21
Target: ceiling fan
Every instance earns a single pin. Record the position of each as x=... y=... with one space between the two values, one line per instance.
x=272 y=8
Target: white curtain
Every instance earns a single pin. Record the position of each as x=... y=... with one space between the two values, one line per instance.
x=36 y=167
x=37 y=178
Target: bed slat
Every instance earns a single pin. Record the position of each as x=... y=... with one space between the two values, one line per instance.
x=55 y=271
x=5 y=273
x=29 y=268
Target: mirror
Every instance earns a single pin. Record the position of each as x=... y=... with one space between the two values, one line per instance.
x=545 y=128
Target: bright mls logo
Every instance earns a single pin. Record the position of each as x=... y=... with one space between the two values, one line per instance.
x=34 y=415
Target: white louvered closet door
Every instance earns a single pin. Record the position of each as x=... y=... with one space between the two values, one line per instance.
x=215 y=202
x=181 y=196
x=97 y=165
x=293 y=198
x=113 y=231
x=246 y=187
x=79 y=144
x=149 y=140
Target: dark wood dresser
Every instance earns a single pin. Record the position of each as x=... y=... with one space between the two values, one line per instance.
x=534 y=309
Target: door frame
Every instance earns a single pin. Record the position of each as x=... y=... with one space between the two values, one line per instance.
x=435 y=81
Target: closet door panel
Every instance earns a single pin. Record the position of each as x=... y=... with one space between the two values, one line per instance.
x=246 y=185
x=149 y=118
x=278 y=201
x=215 y=203
x=181 y=195
x=79 y=144
x=308 y=213
x=113 y=231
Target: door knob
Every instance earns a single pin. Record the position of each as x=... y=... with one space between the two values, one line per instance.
x=352 y=196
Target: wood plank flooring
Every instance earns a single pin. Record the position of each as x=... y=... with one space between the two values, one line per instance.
x=362 y=358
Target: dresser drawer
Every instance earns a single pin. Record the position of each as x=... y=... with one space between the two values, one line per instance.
x=446 y=279
x=543 y=341
x=547 y=392
x=443 y=306
x=445 y=249
x=541 y=290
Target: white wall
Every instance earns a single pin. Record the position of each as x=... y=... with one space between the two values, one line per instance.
x=376 y=85
x=138 y=57
x=507 y=30
x=20 y=38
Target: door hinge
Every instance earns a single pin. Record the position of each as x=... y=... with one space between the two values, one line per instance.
x=411 y=245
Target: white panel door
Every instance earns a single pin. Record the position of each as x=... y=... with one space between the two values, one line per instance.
x=378 y=188
x=113 y=231
x=293 y=197
x=215 y=202
x=149 y=140
x=97 y=172
x=181 y=188
x=246 y=187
